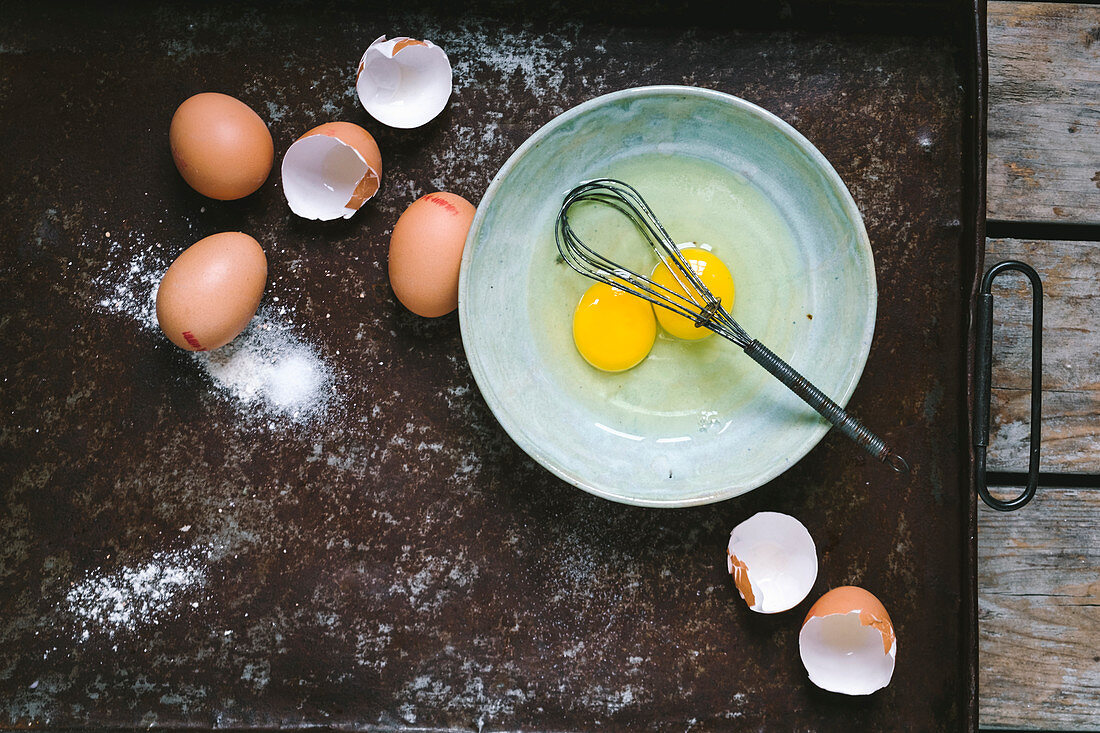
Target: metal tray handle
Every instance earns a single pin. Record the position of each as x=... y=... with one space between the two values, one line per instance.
x=982 y=378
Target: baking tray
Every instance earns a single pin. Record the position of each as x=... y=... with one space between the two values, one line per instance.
x=182 y=549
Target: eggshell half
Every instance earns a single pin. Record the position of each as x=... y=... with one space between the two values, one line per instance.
x=773 y=561
x=212 y=290
x=404 y=82
x=331 y=171
x=426 y=250
x=221 y=147
x=847 y=642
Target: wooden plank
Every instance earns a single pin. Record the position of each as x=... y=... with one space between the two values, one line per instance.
x=1039 y=613
x=1071 y=356
x=1044 y=112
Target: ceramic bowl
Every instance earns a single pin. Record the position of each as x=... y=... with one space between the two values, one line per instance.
x=692 y=424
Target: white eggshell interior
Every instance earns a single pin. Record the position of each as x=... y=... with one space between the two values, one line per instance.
x=404 y=89
x=320 y=174
x=843 y=655
x=780 y=558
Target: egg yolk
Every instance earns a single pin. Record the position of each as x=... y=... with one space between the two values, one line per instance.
x=715 y=276
x=613 y=330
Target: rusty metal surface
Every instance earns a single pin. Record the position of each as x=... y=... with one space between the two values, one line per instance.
x=176 y=555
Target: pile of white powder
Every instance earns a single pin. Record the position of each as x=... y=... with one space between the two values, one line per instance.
x=270 y=368
x=132 y=597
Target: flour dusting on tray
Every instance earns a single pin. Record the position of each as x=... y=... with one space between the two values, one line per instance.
x=271 y=368
x=131 y=597
x=127 y=285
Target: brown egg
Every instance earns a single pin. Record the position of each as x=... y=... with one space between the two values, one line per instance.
x=426 y=250
x=212 y=290
x=221 y=147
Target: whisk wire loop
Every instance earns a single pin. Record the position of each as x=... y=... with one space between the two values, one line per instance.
x=705 y=310
x=694 y=301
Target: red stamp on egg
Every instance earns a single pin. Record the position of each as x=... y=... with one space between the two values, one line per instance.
x=190 y=338
x=451 y=208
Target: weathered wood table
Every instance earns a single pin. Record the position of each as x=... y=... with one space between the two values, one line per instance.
x=1039 y=567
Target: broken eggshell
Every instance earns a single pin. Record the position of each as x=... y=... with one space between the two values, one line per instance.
x=331 y=171
x=403 y=82
x=847 y=642
x=773 y=561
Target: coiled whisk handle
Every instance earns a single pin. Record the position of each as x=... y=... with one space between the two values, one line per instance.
x=830 y=410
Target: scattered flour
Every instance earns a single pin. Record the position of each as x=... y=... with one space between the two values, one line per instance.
x=478 y=51
x=128 y=598
x=127 y=283
x=276 y=112
x=268 y=370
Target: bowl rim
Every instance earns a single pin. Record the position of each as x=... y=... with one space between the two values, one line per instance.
x=851 y=210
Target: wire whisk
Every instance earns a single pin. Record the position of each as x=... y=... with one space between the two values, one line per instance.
x=693 y=300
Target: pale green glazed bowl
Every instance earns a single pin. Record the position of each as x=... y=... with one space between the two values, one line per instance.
x=806 y=288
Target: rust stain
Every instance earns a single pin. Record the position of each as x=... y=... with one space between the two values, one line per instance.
x=1087 y=592
x=1059 y=211
x=1024 y=174
x=1027 y=14
x=1096 y=179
